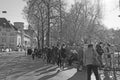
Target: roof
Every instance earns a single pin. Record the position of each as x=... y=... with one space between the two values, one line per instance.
x=26 y=35
x=5 y=23
x=28 y=32
x=14 y=27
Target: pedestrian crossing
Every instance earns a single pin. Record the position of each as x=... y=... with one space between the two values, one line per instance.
x=51 y=72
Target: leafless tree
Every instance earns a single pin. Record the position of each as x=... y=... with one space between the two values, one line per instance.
x=43 y=15
x=35 y=12
x=81 y=21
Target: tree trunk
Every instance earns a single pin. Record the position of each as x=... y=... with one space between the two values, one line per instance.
x=42 y=36
x=48 y=32
x=38 y=37
x=38 y=42
x=60 y=23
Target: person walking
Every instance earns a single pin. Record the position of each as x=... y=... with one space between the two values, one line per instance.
x=91 y=62
x=33 y=55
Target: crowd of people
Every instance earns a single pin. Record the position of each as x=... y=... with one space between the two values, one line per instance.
x=91 y=56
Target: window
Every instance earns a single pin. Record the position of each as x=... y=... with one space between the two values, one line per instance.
x=25 y=42
x=12 y=34
x=2 y=45
x=7 y=30
x=11 y=40
x=4 y=34
x=3 y=39
x=4 y=24
x=11 y=45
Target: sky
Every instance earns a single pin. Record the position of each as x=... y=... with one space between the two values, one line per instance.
x=14 y=11
x=111 y=12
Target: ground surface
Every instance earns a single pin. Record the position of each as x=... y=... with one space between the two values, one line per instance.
x=17 y=66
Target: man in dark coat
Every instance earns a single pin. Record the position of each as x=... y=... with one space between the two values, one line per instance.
x=63 y=55
x=29 y=51
x=56 y=50
x=100 y=51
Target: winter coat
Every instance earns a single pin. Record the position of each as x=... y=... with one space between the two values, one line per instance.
x=99 y=49
x=88 y=56
x=63 y=52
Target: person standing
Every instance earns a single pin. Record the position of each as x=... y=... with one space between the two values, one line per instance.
x=33 y=55
x=29 y=51
x=100 y=52
x=63 y=55
x=89 y=58
x=80 y=58
x=59 y=59
x=48 y=55
x=56 y=54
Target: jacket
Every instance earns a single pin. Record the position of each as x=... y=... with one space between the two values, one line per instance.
x=88 y=56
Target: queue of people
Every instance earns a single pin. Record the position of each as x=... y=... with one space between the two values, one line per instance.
x=98 y=56
x=86 y=55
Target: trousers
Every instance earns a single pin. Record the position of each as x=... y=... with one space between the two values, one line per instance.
x=93 y=68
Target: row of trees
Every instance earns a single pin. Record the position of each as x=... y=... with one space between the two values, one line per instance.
x=82 y=22
x=43 y=15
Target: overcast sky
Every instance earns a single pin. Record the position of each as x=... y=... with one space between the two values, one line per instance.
x=14 y=11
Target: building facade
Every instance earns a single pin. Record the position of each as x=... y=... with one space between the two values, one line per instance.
x=7 y=35
x=13 y=37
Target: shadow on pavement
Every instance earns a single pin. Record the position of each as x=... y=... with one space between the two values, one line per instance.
x=67 y=68
x=81 y=75
x=49 y=76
